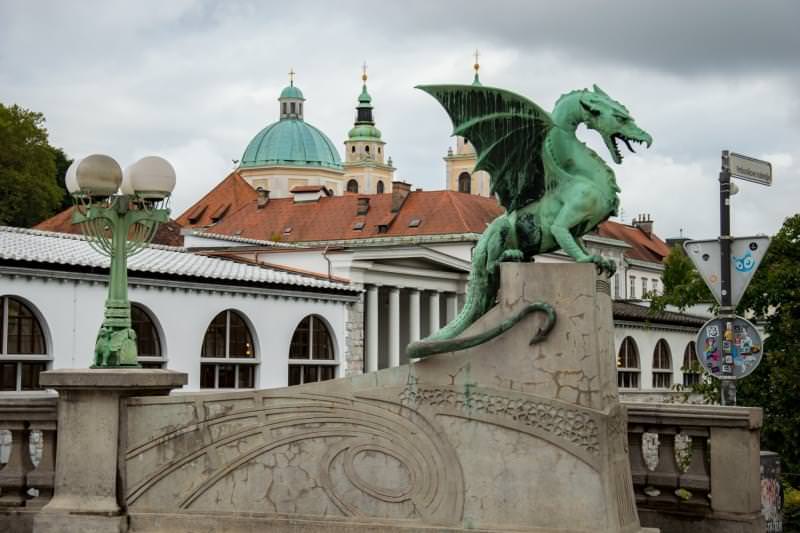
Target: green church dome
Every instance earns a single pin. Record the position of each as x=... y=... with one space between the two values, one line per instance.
x=290 y=91
x=291 y=142
x=364 y=132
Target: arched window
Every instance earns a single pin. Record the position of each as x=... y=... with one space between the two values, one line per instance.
x=352 y=186
x=283 y=106
x=464 y=182
x=628 y=364
x=292 y=107
x=228 y=358
x=366 y=148
x=379 y=187
x=691 y=366
x=23 y=354
x=311 y=354
x=148 y=341
x=353 y=148
x=662 y=365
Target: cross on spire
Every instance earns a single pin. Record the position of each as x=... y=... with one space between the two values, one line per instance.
x=291 y=76
x=477 y=65
x=364 y=72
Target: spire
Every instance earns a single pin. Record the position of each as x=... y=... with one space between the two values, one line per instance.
x=477 y=67
x=364 y=127
x=364 y=99
x=291 y=77
x=364 y=107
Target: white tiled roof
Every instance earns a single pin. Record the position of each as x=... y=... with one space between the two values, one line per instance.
x=243 y=240
x=21 y=244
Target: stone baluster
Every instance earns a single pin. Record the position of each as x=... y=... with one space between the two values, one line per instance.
x=43 y=476
x=13 y=477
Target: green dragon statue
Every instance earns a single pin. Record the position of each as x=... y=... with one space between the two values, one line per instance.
x=555 y=189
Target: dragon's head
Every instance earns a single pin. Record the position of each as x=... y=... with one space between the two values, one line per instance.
x=612 y=121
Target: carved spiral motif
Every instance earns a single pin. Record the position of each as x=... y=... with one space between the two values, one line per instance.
x=374 y=461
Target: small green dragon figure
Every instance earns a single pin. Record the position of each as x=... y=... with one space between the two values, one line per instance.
x=555 y=189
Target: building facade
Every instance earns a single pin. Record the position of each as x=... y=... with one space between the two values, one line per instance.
x=226 y=324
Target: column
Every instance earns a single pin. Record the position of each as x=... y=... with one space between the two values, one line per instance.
x=451 y=306
x=434 y=311
x=413 y=315
x=372 y=329
x=394 y=327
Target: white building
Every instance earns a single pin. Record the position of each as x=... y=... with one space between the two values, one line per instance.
x=226 y=324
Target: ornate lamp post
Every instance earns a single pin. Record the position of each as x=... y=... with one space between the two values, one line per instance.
x=119 y=212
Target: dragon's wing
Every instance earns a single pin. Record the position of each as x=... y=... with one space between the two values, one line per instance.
x=507 y=131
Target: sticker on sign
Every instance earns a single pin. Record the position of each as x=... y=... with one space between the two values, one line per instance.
x=750 y=169
x=746 y=255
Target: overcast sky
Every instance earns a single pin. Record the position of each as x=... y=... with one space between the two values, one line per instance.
x=194 y=81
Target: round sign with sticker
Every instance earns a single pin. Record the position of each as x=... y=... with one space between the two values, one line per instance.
x=729 y=347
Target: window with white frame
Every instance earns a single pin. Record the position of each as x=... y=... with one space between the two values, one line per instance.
x=228 y=358
x=691 y=366
x=632 y=293
x=616 y=286
x=655 y=287
x=662 y=365
x=644 y=287
x=311 y=354
x=23 y=355
x=628 y=364
x=148 y=341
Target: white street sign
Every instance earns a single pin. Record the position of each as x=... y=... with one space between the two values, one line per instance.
x=750 y=169
x=746 y=255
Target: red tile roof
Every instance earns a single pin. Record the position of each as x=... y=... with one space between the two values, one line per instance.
x=168 y=234
x=336 y=217
x=644 y=247
x=232 y=192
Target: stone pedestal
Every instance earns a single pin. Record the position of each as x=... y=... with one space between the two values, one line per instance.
x=500 y=437
x=91 y=411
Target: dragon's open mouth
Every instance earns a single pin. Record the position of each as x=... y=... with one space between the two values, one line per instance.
x=614 y=145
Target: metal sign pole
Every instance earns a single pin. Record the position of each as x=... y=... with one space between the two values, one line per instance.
x=726 y=310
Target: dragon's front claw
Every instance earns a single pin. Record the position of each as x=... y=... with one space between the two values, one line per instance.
x=512 y=256
x=603 y=265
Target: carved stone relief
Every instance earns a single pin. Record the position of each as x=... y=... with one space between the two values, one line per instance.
x=683 y=452
x=650 y=449
x=360 y=455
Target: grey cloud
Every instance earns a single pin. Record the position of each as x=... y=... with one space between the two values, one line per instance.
x=195 y=80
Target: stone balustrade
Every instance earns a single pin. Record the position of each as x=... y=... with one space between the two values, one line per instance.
x=692 y=466
x=696 y=467
x=29 y=454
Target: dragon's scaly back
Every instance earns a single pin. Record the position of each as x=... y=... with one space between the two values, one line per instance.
x=507 y=131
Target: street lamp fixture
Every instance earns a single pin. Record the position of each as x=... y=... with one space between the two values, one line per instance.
x=119 y=212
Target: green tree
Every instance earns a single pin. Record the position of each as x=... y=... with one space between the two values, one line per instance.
x=774 y=298
x=683 y=286
x=62 y=162
x=29 y=191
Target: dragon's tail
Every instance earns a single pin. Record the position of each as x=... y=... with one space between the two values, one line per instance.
x=428 y=346
x=481 y=293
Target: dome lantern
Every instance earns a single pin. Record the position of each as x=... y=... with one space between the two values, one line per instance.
x=291 y=100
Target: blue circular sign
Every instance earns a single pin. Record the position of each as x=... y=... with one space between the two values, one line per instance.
x=729 y=347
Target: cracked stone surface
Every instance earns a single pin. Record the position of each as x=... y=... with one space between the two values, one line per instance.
x=503 y=436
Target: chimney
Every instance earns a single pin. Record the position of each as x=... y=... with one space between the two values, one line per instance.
x=644 y=223
x=363 y=206
x=263 y=197
x=400 y=191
